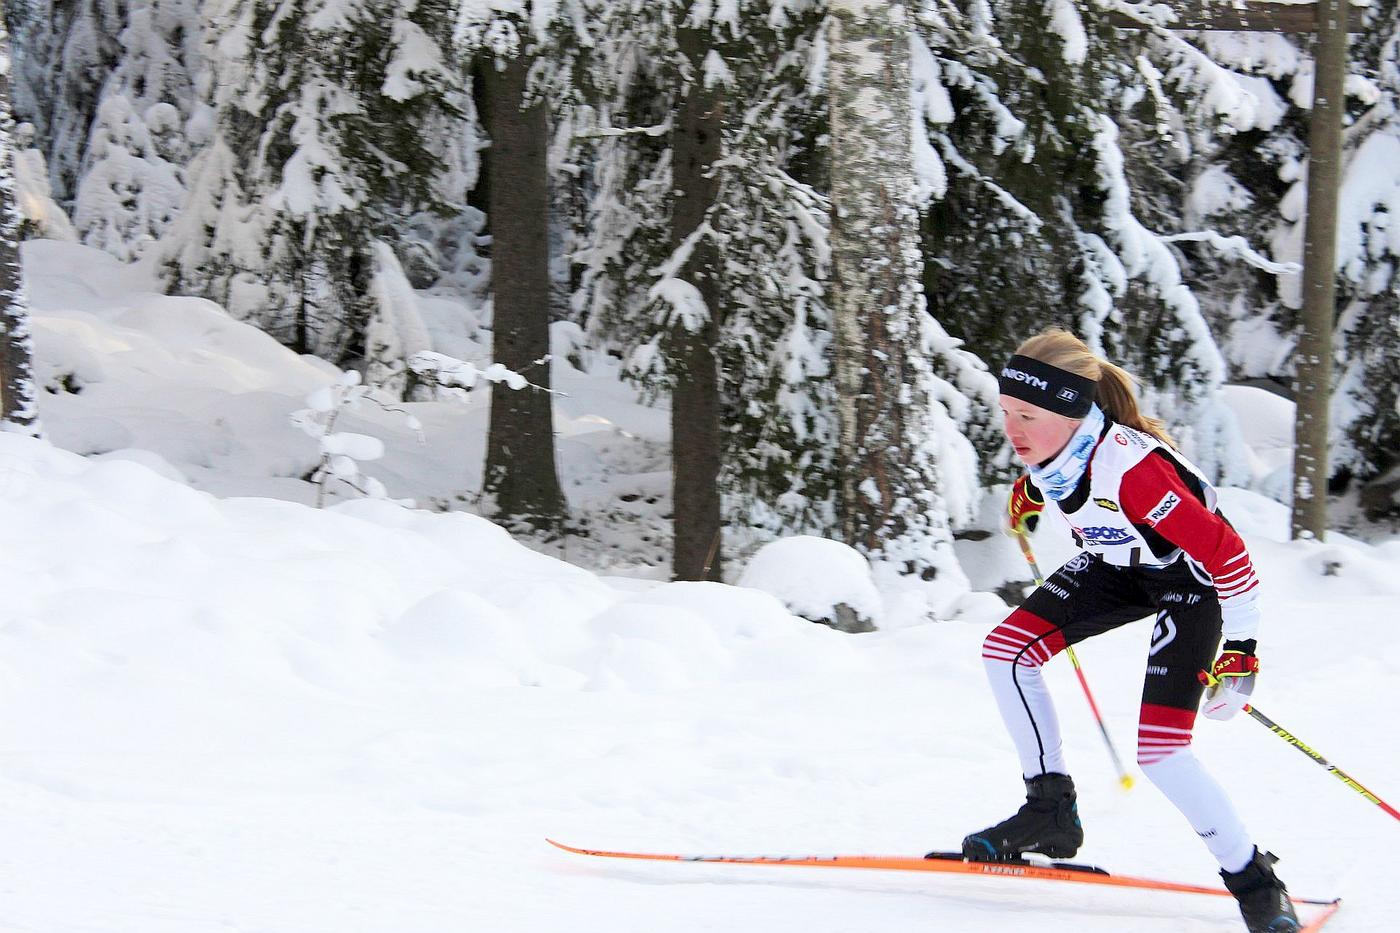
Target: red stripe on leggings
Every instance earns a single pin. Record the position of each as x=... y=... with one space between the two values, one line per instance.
x=1025 y=634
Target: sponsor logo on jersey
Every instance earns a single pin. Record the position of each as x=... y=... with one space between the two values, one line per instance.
x=1106 y=535
x=1164 y=508
x=1140 y=439
x=1076 y=563
x=1107 y=504
x=1163 y=633
x=1027 y=378
x=1120 y=439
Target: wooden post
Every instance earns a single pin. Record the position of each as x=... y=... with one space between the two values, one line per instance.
x=1313 y=368
x=1313 y=373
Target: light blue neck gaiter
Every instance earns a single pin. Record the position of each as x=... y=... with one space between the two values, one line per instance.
x=1058 y=478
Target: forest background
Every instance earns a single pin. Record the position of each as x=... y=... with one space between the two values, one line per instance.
x=716 y=198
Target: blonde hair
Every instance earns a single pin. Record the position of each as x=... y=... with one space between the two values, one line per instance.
x=1115 y=395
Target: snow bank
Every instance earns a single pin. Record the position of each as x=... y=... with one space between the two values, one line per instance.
x=369 y=583
x=250 y=714
x=813 y=576
x=1266 y=424
x=124 y=368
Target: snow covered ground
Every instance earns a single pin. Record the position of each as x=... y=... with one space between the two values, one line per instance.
x=244 y=714
x=175 y=383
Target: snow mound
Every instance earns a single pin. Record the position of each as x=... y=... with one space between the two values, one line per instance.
x=812 y=577
x=366 y=592
x=1266 y=424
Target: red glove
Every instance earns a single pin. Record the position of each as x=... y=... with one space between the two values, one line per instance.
x=1230 y=680
x=1024 y=507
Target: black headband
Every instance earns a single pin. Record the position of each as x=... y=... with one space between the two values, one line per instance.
x=1048 y=387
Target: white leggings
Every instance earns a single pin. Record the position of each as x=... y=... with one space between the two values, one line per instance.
x=1014 y=653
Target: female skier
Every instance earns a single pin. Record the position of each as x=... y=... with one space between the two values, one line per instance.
x=1153 y=544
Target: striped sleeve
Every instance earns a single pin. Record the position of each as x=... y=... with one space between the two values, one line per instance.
x=1153 y=494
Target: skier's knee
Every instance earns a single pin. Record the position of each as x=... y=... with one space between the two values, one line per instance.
x=1164 y=733
x=1025 y=639
x=1153 y=761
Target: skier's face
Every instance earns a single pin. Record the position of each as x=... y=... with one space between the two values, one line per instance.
x=1036 y=434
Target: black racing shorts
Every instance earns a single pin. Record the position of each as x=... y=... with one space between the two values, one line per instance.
x=1088 y=596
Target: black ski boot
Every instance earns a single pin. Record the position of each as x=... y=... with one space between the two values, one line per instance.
x=1263 y=898
x=1048 y=823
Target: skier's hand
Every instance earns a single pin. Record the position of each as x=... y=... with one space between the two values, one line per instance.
x=1024 y=507
x=1230 y=680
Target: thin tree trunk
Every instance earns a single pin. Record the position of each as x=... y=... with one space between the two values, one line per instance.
x=18 y=408
x=695 y=404
x=1313 y=379
x=888 y=502
x=520 y=474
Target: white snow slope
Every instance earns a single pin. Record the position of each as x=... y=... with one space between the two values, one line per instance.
x=244 y=714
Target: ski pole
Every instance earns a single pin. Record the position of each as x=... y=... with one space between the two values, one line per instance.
x=1342 y=776
x=1124 y=778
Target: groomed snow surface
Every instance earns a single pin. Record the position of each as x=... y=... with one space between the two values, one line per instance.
x=244 y=714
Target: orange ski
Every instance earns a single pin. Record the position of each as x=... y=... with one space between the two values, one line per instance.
x=951 y=864
x=1331 y=908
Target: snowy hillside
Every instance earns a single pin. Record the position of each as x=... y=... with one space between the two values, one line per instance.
x=247 y=714
x=126 y=367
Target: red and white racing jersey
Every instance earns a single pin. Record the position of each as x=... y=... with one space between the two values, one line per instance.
x=1142 y=504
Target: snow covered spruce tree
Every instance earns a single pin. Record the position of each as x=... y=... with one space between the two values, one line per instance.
x=332 y=124
x=149 y=122
x=64 y=50
x=621 y=142
x=700 y=135
x=1039 y=222
x=901 y=453
x=36 y=39
x=778 y=393
x=1365 y=405
x=521 y=59
x=18 y=408
x=1210 y=135
x=1237 y=107
x=649 y=280
x=1366 y=401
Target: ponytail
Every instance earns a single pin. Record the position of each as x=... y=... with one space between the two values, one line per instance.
x=1118 y=400
x=1115 y=394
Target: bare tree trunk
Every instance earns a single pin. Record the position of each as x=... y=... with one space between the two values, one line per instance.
x=1313 y=379
x=18 y=408
x=520 y=474
x=695 y=406
x=889 y=503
